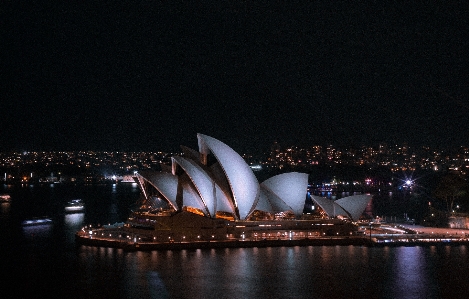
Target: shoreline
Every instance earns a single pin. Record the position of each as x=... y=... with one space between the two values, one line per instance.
x=325 y=241
x=149 y=246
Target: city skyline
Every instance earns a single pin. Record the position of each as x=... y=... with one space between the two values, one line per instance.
x=150 y=76
x=396 y=158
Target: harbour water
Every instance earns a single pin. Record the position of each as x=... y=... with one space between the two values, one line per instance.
x=44 y=261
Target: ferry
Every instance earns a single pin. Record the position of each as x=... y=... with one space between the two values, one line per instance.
x=5 y=198
x=75 y=206
x=37 y=221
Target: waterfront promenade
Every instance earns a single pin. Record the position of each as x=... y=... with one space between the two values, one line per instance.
x=145 y=245
x=398 y=234
x=413 y=231
x=384 y=235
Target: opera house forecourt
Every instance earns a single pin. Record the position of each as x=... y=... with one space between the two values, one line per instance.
x=211 y=198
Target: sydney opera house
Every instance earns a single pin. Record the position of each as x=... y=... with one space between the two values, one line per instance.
x=213 y=195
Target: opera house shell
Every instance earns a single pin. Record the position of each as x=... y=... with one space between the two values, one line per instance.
x=350 y=207
x=216 y=182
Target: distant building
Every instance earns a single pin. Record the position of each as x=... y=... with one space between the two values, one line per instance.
x=458 y=222
x=49 y=179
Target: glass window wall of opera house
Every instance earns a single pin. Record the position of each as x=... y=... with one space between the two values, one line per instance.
x=213 y=195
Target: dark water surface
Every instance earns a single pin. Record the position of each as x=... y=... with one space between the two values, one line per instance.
x=43 y=261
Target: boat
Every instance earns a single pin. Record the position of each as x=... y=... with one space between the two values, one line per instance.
x=75 y=206
x=5 y=198
x=37 y=221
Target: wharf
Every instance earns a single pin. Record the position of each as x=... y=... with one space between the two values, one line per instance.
x=83 y=239
x=408 y=240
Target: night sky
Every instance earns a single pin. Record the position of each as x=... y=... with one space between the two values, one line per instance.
x=149 y=75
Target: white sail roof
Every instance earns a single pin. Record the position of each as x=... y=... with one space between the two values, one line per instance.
x=270 y=202
x=329 y=206
x=291 y=187
x=209 y=192
x=166 y=184
x=243 y=184
x=351 y=206
x=225 y=183
x=192 y=199
x=354 y=205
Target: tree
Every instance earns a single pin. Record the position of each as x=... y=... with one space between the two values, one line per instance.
x=450 y=187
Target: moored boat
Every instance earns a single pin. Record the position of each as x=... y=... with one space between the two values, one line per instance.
x=37 y=221
x=75 y=206
x=5 y=198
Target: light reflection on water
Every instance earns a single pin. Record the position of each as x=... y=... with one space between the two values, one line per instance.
x=47 y=262
x=37 y=231
x=5 y=208
x=283 y=272
x=410 y=278
x=74 y=221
